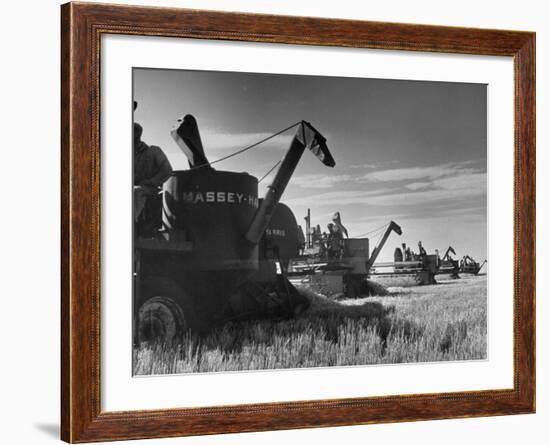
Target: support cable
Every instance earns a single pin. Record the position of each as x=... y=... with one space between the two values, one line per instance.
x=238 y=152
x=269 y=171
x=373 y=231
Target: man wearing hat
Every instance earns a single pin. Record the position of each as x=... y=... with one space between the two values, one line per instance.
x=334 y=242
x=421 y=250
x=337 y=221
x=151 y=170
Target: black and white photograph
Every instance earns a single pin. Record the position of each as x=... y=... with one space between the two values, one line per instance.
x=290 y=221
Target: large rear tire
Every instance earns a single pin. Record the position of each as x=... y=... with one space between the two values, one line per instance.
x=165 y=312
x=160 y=319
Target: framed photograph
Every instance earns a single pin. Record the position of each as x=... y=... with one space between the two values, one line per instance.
x=274 y=222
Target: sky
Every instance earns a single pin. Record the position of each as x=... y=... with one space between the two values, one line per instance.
x=410 y=151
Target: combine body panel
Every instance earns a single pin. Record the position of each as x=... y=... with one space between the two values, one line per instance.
x=208 y=210
x=212 y=209
x=281 y=240
x=346 y=277
x=356 y=254
x=267 y=292
x=430 y=267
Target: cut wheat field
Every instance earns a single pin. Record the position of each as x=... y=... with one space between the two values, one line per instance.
x=442 y=322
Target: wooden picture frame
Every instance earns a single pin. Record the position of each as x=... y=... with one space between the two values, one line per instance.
x=82 y=25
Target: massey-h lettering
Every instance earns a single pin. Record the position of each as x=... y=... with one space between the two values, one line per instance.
x=219 y=197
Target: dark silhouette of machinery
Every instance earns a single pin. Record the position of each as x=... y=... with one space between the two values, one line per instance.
x=223 y=252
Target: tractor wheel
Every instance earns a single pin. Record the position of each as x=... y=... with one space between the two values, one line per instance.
x=160 y=319
x=165 y=313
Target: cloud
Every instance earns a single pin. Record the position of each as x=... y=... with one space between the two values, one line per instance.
x=464 y=187
x=439 y=183
x=432 y=177
x=466 y=181
x=417 y=173
x=442 y=190
x=225 y=143
x=319 y=181
x=475 y=210
x=336 y=198
x=379 y=217
x=418 y=185
x=365 y=166
x=447 y=219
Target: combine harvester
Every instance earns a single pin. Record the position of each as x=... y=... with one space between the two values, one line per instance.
x=347 y=275
x=453 y=267
x=422 y=267
x=223 y=252
x=449 y=265
x=355 y=272
x=469 y=265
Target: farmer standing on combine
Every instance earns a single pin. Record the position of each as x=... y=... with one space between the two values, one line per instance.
x=337 y=221
x=437 y=258
x=151 y=170
x=421 y=250
x=397 y=255
x=334 y=242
